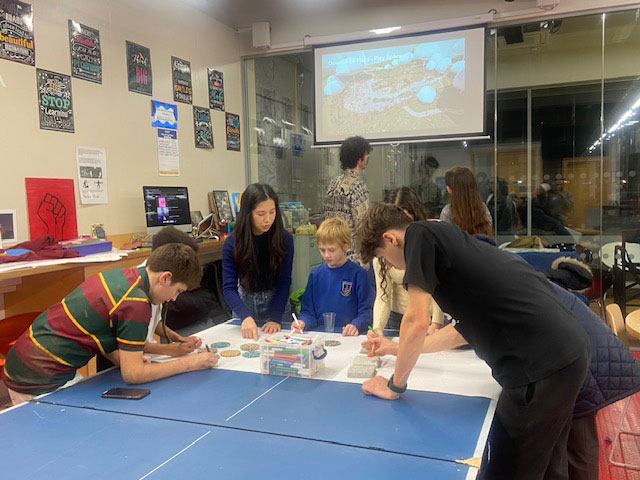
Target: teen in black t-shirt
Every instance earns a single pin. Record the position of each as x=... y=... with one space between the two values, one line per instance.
x=537 y=350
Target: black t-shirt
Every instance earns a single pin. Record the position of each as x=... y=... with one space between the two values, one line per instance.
x=506 y=310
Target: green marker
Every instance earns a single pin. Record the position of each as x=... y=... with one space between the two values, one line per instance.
x=374 y=332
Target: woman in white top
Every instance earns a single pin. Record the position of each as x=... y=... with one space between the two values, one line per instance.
x=391 y=296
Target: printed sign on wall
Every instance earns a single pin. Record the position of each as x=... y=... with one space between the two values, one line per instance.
x=139 y=68
x=202 y=126
x=86 y=55
x=164 y=115
x=216 y=90
x=181 y=73
x=233 y=132
x=54 y=97
x=16 y=32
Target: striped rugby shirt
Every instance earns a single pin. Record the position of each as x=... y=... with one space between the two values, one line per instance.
x=106 y=312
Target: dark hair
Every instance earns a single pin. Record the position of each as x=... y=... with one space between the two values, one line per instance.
x=467 y=209
x=407 y=199
x=173 y=235
x=431 y=161
x=244 y=251
x=352 y=150
x=178 y=259
x=375 y=222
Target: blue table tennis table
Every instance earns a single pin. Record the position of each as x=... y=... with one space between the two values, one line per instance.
x=240 y=425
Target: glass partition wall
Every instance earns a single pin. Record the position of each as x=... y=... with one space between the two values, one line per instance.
x=561 y=160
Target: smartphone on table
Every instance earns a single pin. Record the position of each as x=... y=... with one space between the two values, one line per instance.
x=126 y=393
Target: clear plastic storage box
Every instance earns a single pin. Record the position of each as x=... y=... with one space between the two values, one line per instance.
x=295 y=355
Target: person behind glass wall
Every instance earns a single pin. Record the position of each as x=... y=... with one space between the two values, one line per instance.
x=546 y=208
x=391 y=296
x=425 y=186
x=347 y=196
x=465 y=208
x=256 y=263
x=503 y=208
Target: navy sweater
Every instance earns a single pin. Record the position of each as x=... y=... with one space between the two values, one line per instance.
x=231 y=272
x=345 y=290
x=613 y=374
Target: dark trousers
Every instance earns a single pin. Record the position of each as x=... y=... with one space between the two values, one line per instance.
x=582 y=448
x=528 y=436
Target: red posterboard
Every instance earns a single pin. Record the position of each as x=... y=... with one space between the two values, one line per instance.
x=51 y=204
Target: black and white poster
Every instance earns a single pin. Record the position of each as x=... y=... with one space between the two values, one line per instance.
x=16 y=32
x=139 y=68
x=181 y=74
x=54 y=98
x=216 y=90
x=202 y=127
x=86 y=55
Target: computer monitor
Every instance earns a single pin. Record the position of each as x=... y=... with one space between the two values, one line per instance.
x=165 y=206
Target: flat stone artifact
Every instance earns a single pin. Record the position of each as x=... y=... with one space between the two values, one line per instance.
x=249 y=347
x=365 y=360
x=332 y=343
x=251 y=354
x=230 y=353
x=361 y=371
x=220 y=345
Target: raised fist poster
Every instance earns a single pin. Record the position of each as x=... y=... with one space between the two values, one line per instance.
x=51 y=205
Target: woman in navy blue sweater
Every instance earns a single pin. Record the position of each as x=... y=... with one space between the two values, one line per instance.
x=256 y=263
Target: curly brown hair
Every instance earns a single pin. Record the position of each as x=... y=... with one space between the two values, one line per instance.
x=407 y=199
x=375 y=222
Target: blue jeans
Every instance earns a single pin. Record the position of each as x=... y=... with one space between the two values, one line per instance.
x=259 y=304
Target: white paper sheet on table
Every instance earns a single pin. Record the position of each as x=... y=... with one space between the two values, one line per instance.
x=112 y=256
x=458 y=372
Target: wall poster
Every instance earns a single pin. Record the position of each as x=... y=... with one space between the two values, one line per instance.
x=181 y=74
x=54 y=97
x=233 y=131
x=51 y=205
x=92 y=175
x=202 y=126
x=216 y=90
x=16 y=32
x=139 y=68
x=86 y=55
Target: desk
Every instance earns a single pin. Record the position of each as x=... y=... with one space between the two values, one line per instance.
x=238 y=423
x=53 y=282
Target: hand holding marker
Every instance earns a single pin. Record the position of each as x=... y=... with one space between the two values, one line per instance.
x=373 y=345
x=298 y=326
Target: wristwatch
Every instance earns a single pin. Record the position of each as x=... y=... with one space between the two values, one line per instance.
x=394 y=388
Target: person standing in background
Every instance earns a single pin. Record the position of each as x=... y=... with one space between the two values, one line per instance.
x=425 y=186
x=466 y=209
x=347 y=195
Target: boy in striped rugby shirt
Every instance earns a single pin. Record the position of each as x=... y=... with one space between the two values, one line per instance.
x=107 y=314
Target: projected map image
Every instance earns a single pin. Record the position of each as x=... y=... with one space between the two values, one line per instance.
x=404 y=88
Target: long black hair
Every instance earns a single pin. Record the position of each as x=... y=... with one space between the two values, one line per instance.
x=244 y=252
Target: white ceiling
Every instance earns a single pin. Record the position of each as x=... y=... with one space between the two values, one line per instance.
x=242 y=13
